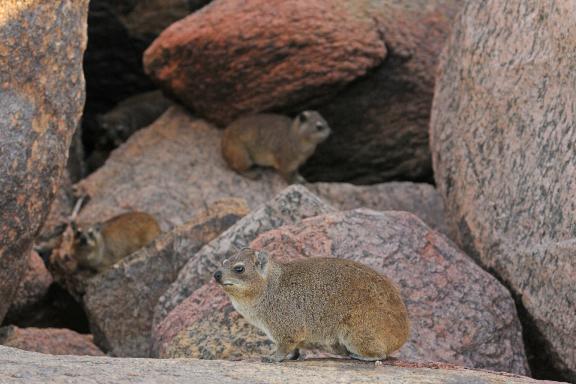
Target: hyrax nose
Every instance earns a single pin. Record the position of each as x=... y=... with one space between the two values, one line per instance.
x=218 y=276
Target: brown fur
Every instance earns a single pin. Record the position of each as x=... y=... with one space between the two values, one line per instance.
x=273 y=141
x=99 y=246
x=337 y=305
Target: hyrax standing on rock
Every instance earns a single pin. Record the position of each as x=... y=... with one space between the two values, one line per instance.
x=276 y=141
x=101 y=245
x=337 y=305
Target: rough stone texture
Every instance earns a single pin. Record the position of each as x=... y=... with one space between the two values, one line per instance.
x=48 y=340
x=32 y=289
x=272 y=53
x=292 y=205
x=57 y=219
x=206 y=326
x=173 y=170
x=288 y=55
x=128 y=293
x=41 y=98
x=32 y=368
x=418 y=198
x=459 y=313
x=503 y=136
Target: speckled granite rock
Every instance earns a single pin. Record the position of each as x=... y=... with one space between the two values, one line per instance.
x=52 y=341
x=172 y=169
x=120 y=302
x=368 y=66
x=34 y=368
x=459 y=313
x=503 y=138
x=418 y=198
x=238 y=43
x=288 y=207
x=32 y=289
x=41 y=100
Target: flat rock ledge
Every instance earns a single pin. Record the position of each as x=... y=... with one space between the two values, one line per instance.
x=29 y=367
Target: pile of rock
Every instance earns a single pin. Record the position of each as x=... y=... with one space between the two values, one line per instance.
x=484 y=263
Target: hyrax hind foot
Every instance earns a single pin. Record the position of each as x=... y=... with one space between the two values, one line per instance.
x=367 y=358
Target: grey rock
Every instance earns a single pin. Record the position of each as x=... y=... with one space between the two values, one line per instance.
x=503 y=134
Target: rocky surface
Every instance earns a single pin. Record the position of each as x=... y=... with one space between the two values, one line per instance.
x=292 y=205
x=32 y=288
x=418 y=198
x=33 y=368
x=377 y=100
x=459 y=313
x=48 y=340
x=129 y=292
x=173 y=170
x=41 y=98
x=507 y=174
x=270 y=58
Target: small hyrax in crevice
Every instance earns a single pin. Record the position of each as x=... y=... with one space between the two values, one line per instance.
x=99 y=246
x=335 y=305
x=275 y=141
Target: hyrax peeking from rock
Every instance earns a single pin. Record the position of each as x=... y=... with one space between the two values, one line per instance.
x=101 y=245
x=336 y=305
x=275 y=141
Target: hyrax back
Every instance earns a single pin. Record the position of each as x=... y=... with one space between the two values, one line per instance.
x=101 y=245
x=275 y=141
x=337 y=305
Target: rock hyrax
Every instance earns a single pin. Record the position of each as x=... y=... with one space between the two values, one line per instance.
x=336 y=305
x=101 y=245
x=275 y=141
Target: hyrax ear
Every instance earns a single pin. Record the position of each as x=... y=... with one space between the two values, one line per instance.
x=303 y=117
x=261 y=262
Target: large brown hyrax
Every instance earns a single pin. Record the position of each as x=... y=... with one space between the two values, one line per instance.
x=336 y=305
x=276 y=141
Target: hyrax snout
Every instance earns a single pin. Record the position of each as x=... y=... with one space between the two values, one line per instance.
x=336 y=305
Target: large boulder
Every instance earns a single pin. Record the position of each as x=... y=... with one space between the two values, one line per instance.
x=368 y=66
x=173 y=170
x=503 y=135
x=33 y=368
x=120 y=302
x=52 y=341
x=421 y=199
x=41 y=99
x=459 y=313
x=290 y=206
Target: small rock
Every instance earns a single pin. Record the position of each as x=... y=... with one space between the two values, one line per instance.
x=52 y=341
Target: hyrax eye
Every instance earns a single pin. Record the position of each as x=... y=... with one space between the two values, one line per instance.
x=319 y=126
x=238 y=269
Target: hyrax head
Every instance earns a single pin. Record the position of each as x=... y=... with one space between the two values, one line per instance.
x=244 y=274
x=86 y=240
x=311 y=127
